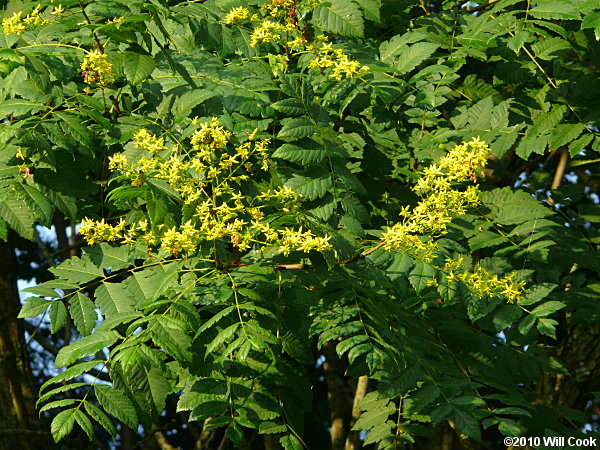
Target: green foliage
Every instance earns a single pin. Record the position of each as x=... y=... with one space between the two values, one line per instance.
x=233 y=333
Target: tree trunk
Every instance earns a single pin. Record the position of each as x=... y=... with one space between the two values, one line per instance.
x=340 y=407
x=353 y=439
x=580 y=353
x=19 y=423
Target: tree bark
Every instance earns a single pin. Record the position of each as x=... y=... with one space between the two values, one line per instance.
x=338 y=396
x=271 y=442
x=443 y=438
x=580 y=353
x=353 y=439
x=19 y=422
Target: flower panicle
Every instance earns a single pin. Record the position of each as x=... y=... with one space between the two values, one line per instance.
x=338 y=61
x=440 y=203
x=96 y=69
x=204 y=177
x=280 y=23
x=17 y=23
x=237 y=15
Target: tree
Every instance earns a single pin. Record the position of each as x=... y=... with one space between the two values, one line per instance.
x=301 y=223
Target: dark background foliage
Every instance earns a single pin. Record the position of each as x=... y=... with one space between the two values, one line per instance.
x=333 y=343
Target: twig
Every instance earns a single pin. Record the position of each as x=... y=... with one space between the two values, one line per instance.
x=345 y=262
x=39 y=338
x=87 y=19
x=361 y=255
x=77 y=245
x=559 y=173
x=161 y=440
x=481 y=7
x=560 y=168
x=42 y=246
x=425 y=8
x=293 y=266
x=223 y=443
x=459 y=4
x=553 y=84
x=205 y=439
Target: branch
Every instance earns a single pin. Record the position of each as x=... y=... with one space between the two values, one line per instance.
x=78 y=244
x=205 y=439
x=560 y=169
x=459 y=4
x=87 y=19
x=360 y=256
x=223 y=444
x=353 y=438
x=100 y=375
x=559 y=173
x=161 y=439
x=480 y=7
x=293 y=266
x=425 y=8
x=42 y=246
x=23 y=431
x=336 y=395
x=355 y=258
x=39 y=338
x=588 y=180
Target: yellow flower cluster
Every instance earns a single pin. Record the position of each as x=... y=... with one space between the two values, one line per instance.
x=237 y=15
x=281 y=22
x=58 y=10
x=100 y=231
x=115 y=20
x=288 y=9
x=482 y=283
x=464 y=162
x=14 y=24
x=341 y=65
x=303 y=241
x=442 y=202
x=17 y=24
x=96 y=69
x=206 y=179
x=144 y=139
x=185 y=240
x=118 y=162
x=269 y=31
x=211 y=135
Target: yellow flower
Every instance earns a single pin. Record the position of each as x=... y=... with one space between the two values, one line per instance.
x=237 y=15
x=296 y=43
x=116 y=20
x=440 y=204
x=117 y=161
x=34 y=17
x=58 y=10
x=302 y=241
x=205 y=179
x=267 y=31
x=96 y=69
x=340 y=64
x=211 y=135
x=14 y=24
x=148 y=141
